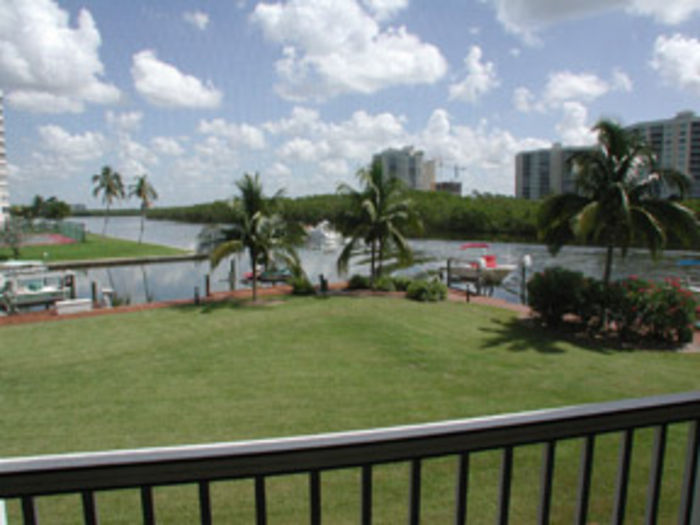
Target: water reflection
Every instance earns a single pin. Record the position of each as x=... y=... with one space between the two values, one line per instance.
x=168 y=281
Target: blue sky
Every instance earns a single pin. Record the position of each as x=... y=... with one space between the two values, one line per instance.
x=195 y=93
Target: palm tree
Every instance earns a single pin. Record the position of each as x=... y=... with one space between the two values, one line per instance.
x=619 y=200
x=255 y=228
x=109 y=184
x=380 y=212
x=143 y=190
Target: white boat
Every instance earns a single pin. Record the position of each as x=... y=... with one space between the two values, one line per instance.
x=323 y=236
x=485 y=269
x=30 y=283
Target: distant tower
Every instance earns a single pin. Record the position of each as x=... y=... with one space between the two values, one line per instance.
x=4 y=188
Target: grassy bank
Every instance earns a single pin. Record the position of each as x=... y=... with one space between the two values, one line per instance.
x=226 y=372
x=94 y=247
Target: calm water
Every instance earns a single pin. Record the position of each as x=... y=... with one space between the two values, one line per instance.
x=140 y=283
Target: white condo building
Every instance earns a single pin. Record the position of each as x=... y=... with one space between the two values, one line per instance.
x=547 y=171
x=407 y=165
x=4 y=173
x=676 y=142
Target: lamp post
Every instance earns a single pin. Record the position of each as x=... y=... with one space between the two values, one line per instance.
x=525 y=264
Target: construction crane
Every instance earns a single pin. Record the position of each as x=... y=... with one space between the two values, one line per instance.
x=456 y=185
x=456 y=167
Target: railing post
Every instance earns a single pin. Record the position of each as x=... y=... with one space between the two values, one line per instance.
x=414 y=495
x=462 y=489
x=546 y=482
x=689 y=511
x=584 y=484
x=366 y=495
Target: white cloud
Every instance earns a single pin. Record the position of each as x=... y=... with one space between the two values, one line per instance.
x=574 y=128
x=198 y=19
x=330 y=152
x=352 y=54
x=162 y=84
x=237 y=134
x=45 y=64
x=621 y=81
x=134 y=158
x=279 y=170
x=666 y=11
x=527 y=17
x=167 y=146
x=488 y=154
x=567 y=86
x=302 y=120
x=385 y=9
x=43 y=102
x=124 y=122
x=60 y=155
x=77 y=148
x=303 y=150
x=523 y=99
x=481 y=78
x=677 y=60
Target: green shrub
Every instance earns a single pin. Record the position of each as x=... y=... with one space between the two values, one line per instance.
x=554 y=292
x=358 y=282
x=420 y=290
x=401 y=283
x=302 y=286
x=384 y=284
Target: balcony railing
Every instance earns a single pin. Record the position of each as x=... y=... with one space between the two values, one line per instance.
x=87 y=474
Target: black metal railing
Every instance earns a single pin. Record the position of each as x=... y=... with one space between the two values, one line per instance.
x=86 y=474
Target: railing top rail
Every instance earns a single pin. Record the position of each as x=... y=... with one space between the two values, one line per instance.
x=163 y=465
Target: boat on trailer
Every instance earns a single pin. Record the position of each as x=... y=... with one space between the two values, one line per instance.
x=25 y=284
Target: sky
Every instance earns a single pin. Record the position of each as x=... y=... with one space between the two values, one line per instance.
x=195 y=93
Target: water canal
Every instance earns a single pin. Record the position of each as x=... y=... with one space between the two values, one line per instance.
x=166 y=281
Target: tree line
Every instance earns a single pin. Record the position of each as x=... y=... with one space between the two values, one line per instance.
x=443 y=214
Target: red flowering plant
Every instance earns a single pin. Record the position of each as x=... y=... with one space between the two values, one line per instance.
x=650 y=310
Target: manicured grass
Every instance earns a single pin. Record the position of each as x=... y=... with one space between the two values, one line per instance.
x=94 y=247
x=226 y=372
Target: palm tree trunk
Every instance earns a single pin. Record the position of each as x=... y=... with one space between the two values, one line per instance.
x=608 y=265
x=255 y=274
x=380 y=258
x=373 y=249
x=104 y=228
x=143 y=218
x=606 y=283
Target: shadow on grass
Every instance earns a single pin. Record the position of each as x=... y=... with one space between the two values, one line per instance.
x=520 y=335
x=213 y=306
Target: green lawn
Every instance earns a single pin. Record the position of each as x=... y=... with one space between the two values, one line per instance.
x=226 y=372
x=94 y=247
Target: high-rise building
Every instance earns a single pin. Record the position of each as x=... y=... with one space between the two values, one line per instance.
x=542 y=172
x=4 y=188
x=407 y=165
x=676 y=142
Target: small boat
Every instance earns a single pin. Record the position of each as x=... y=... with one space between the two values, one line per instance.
x=323 y=236
x=30 y=283
x=484 y=269
x=273 y=275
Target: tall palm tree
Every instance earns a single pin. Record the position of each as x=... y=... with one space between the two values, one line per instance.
x=255 y=227
x=619 y=200
x=109 y=184
x=146 y=193
x=380 y=212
